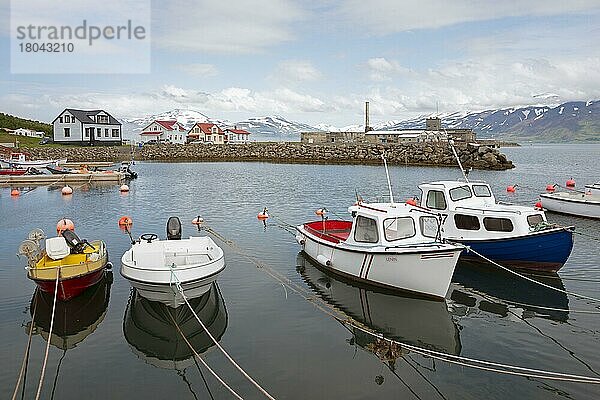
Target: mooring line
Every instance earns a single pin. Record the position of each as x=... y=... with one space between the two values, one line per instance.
x=523 y=276
x=26 y=355
x=215 y=341
x=448 y=358
x=217 y=377
x=39 y=389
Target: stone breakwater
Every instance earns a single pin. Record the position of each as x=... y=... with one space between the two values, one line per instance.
x=481 y=157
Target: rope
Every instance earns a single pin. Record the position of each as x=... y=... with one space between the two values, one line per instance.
x=526 y=277
x=196 y=355
x=216 y=342
x=348 y=321
x=26 y=355
x=39 y=389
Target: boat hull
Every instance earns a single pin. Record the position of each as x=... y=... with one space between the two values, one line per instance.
x=545 y=251
x=12 y=172
x=72 y=287
x=581 y=205
x=425 y=272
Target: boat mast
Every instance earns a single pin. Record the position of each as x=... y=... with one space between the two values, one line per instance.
x=387 y=174
x=451 y=143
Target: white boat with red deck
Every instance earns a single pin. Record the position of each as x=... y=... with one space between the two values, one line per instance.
x=386 y=244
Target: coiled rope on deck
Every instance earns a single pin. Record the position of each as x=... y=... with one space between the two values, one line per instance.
x=348 y=321
x=215 y=341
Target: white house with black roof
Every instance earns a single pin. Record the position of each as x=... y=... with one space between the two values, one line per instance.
x=87 y=127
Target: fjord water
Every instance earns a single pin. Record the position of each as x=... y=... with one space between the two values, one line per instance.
x=112 y=344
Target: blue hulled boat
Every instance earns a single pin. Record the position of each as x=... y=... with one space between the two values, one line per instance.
x=513 y=236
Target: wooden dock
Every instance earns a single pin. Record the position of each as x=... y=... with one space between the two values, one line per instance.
x=115 y=178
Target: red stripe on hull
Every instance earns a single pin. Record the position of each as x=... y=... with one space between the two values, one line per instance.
x=69 y=288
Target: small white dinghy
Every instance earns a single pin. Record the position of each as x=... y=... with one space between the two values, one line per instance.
x=154 y=267
x=583 y=204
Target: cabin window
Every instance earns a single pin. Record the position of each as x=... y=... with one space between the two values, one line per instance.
x=534 y=219
x=366 y=230
x=498 y=224
x=429 y=226
x=67 y=132
x=467 y=222
x=436 y=200
x=460 y=193
x=482 y=191
x=398 y=228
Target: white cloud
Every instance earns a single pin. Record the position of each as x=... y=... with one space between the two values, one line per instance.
x=296 y=71
x=239 y=26
x=389 y=16
x=199 y=70
x=380 y=69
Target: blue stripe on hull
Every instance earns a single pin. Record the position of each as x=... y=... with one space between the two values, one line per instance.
x=541 y=251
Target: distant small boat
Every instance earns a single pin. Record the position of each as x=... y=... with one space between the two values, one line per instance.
x=58 y=170
x=585 y=204
x=593 y=189
x=154 y=267
x=19 y=160
x=12 y=171
x=79 y=263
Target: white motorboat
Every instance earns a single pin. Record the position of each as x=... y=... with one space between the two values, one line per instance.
x=19 y=160
x=155 y=267
x=514 y=236
x=583 y=204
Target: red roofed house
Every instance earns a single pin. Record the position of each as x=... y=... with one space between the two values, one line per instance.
x=237 y=136
x=206 y=133
x=164 y=131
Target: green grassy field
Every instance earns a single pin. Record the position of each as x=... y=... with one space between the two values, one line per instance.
x=23 y=141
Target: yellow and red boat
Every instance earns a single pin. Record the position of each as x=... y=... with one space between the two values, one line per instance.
x=78 y=263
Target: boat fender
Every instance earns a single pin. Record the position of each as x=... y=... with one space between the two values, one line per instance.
x=323 y=260
x=300 y=240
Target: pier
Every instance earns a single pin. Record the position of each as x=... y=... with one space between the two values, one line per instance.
x=115 y=178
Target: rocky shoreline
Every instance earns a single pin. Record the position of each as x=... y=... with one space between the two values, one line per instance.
x=425 y=154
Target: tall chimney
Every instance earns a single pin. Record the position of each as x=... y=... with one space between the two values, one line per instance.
x=367 y=128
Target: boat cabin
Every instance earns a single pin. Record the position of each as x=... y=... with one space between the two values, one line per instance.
x=379 y=224
x=471 y=208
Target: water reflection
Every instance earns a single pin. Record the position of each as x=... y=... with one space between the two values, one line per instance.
x=75 y=319
x=150 y=329
x=498 y=292
x=420 y=322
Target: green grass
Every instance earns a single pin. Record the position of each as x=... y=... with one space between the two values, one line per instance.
x=12 y=122
x=23 y=141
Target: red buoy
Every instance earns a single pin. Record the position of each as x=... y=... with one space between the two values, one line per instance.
x=538 y=205
x=321 y=212
x=571 y=182
x=550 y=188
x=198 y=221
x=125 y=221
x=511 y=188
x=263 y=215
x=64 y=225
x=412 y=201
x=15 y=192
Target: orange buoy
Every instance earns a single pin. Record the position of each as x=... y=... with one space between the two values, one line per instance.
x=67 y=190
x=125 y=221
x=321 y=212
x=262 y=216
x=511 y=188
x=15 y=192
x=64 y=225
x=412 y=201
x=571 y=182
x=538 y=205
x=124 y=188
x=198 y=221
x=550 y=188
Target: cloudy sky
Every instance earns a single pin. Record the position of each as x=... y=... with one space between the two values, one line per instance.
x=317 y=62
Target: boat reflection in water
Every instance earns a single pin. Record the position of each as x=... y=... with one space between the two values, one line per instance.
x=75 y=319
x=150 y=329
x=499 y=292
x=412 y=320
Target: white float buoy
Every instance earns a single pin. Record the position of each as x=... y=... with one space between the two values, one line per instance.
x=124 y=188
x=67 y=190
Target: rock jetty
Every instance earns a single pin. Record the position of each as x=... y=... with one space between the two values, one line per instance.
x=426 y=154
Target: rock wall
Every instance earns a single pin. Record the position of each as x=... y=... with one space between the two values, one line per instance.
x=481 y=157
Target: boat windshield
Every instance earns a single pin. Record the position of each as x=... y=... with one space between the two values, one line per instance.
x=482 y=191
x=398 y=228
x=460 y=193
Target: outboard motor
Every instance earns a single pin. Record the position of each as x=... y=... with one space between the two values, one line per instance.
x=73 y=241
x=173 y=228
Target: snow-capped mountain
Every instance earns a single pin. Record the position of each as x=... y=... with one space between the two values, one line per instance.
x=132 y=127
x=274 y=126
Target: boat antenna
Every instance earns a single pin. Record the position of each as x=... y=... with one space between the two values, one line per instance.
x=387 y=174
x=462 y=170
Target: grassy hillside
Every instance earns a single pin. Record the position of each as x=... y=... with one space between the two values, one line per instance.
x=12 y=122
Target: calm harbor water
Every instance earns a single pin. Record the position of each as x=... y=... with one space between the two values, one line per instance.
x=111 y=343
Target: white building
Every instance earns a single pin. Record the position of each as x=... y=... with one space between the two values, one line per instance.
x=86 y=127
x=164 y=131
x=27 y=133
x=233 y=136
x=406 y=136
x=206 y=132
